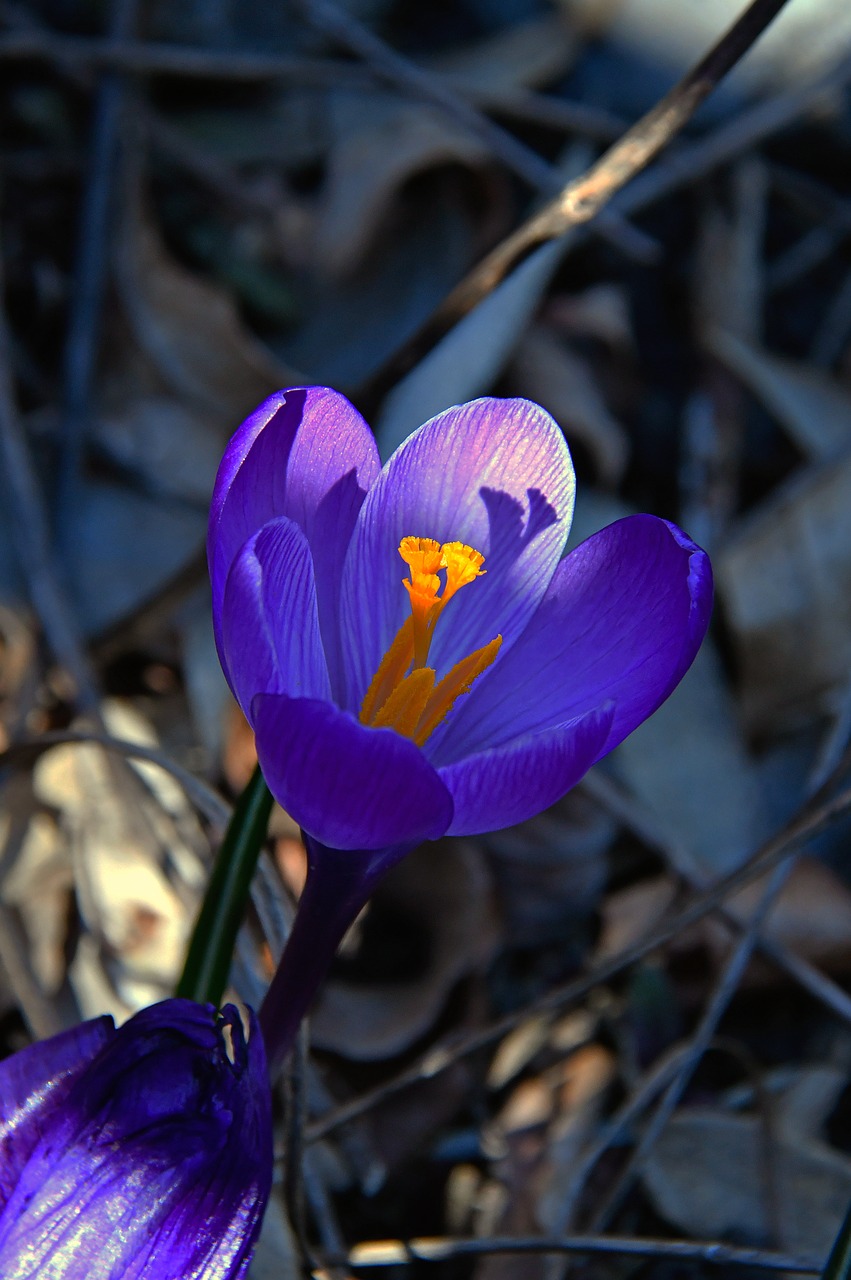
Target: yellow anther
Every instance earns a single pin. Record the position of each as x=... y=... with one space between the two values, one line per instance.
x=421 y=555
x=412 y=701
x=463 y=564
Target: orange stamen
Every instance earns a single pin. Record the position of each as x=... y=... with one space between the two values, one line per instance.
x=411 y=702
x=456 y=682
x=404 y=708
x=424 y=558
x=463 y=564
x=392 y=670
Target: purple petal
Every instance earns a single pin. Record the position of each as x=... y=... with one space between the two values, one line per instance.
x=307 y=454
x=512 y=783
x=158 y=1163
x=348 y=786
x=621 y=622
x=495 y=474
x=270 y=625
x=33 y=1084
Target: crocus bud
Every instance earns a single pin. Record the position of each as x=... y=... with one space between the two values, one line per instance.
x=136 y=1153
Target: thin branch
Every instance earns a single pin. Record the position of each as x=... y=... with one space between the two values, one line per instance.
x=161 y=59
x=583 y=199
x=387 y=1253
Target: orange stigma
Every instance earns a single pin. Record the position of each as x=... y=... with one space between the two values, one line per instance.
x=405 y=694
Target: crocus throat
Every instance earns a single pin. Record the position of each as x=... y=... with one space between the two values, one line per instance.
x=405 y=694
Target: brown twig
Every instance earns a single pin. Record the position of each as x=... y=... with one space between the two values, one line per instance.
x=385 y=1253
x=584 y=198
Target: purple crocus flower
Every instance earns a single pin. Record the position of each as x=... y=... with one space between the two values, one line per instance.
x=413 y=653
x=135 y=1153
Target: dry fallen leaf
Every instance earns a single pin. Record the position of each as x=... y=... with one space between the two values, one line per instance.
x=370 y=163
x=136 y=875
x=707 y=1173
x=190 y=329
x=785 y=580
x=37 y=880
x=812 y=407
x=689 y=766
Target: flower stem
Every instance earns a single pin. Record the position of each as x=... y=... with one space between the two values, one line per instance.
x=208 y=960
x=339 y=883
x=838 y=1265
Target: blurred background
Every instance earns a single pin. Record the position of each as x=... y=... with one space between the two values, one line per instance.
x=201 y=202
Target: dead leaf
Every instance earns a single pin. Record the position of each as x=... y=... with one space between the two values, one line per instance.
x=190 y=329
x=538 y=1134
x=801 y=43
x=210 y=700
x=812 y=407
x=550 y=872
x=136 y=875
x=706 y=1175
x=464 y=364
x=629 y=914
x=160 y=440
x=688 y=764
x=37 y=880
x=812 y=916
x=785 y=579
x=368 y=166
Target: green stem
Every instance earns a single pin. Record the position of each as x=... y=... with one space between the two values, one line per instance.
x=839 y=1263
x=208 y=960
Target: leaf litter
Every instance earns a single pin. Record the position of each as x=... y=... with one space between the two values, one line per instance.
x=698 y=356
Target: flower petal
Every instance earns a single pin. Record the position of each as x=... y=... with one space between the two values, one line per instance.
x=305 y=453
x=495 y=474
x=159 y=1161
x=512 y=783
x=621 y=622
x=348 y=786
x=33 y=1084
x=270 y=625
